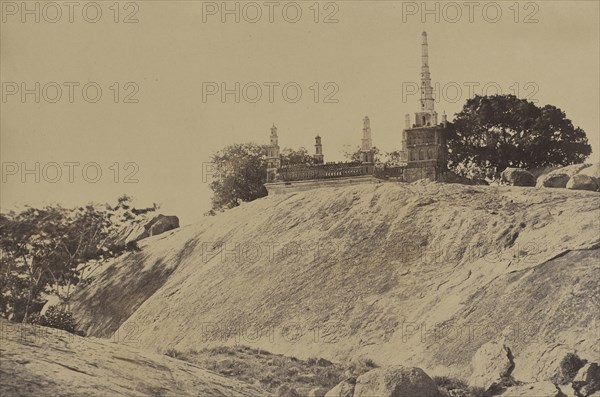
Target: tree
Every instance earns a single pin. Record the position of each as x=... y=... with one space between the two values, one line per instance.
x=492 y=133
x=300 y=156
x=46 y=251
x=354 y=156
x=239 y=173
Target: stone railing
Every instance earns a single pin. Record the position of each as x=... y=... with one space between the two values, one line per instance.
x=323 y=171
x=396 y=172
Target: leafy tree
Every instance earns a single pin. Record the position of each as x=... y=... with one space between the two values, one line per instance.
x=48 y=250
x=492 y=133
x=239 y=174
x=353 y=155
x=300 y=156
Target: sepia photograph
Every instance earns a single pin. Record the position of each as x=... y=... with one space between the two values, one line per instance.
x=310 y=198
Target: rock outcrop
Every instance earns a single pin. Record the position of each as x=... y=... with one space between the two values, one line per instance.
x=583 y=182
x=517 y=177
x=492 y=367
x=146 y=225
x=424 y=276
x=396 y=381
x=40 y=361
x=559 y=177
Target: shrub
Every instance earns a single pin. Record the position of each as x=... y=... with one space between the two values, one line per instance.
x=174 y=353
x=56 y=318
x=458 y=387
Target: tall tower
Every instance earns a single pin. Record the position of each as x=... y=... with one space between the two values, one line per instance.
x=318 y=156
x=366 y=148
x=424 y=148
x=427 y=116
x=273 y=157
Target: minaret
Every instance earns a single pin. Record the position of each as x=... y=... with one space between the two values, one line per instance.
x=318 y=156
x=273 y=157
x=366 y=148
x=427 y=114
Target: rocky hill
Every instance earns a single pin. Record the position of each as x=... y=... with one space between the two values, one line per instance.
x=419 y=275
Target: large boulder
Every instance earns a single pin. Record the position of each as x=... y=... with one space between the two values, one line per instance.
x=343 y=389
x=144 y=225
x=541 y=361
x=161 y=223
x=492 y=367
x=587 y=380
x=582 y=182
x=538 y=389
x=518 y=177
x=396 y=381
x=567 y=369
x=560 y=176
x=593 y=171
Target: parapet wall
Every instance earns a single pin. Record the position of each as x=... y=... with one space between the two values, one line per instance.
x=299 y=186
x=323 y=171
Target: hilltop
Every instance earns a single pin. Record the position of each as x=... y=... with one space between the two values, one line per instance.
x=417 y=274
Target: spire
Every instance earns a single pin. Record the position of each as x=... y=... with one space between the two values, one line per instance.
x=367 y=143
x=426 y=114
x=427 y=101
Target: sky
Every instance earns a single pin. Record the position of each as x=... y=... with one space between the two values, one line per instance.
x=140 y=108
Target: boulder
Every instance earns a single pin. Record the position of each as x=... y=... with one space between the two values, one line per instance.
x=567 y=369
x=559 y=177
x=161 y=223
x=540 y=361
x=321 y=362
x=593 y=171
x=583 y=182
x=139 y=228
x=537 y=389
x=587 y=380
x=518 y=177
x=492 y=367
x=343 y=389
x=554 y=181
x=396 y=381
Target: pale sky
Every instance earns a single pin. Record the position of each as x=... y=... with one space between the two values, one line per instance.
x=370 y=54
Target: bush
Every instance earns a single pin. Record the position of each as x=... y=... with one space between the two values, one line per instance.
x=457 y=387
x=56 y=318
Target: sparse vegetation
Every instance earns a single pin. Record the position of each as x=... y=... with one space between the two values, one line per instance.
x=457 y=387
x=274 y=373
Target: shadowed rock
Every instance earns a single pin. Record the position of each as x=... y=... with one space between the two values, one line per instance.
x=396 y=381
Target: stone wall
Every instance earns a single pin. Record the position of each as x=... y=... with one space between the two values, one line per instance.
x=323 y=171
x=299 y=186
